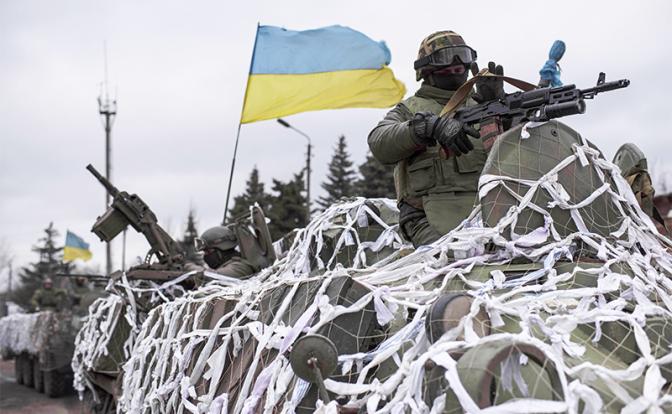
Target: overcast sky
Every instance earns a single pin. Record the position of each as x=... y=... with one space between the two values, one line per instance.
x=179 y=69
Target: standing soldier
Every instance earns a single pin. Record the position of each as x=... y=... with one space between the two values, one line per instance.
x=48 y=298
x=436 y=184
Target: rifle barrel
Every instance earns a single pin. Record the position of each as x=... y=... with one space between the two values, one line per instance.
x=605 y=87
x=86 y=275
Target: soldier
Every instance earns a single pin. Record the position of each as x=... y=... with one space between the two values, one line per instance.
x=48 y=298
x=436 y=184
x=635 y=169
x=81 y=295
x=219 y=252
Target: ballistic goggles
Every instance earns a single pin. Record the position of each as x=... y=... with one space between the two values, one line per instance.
x=199 y=244
x=446 y=57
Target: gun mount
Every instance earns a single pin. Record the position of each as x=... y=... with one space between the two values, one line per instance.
x=129 y=209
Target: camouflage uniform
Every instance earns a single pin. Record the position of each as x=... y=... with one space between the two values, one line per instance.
x=53 y=299
x=237 y=267
x=435 y=191
x=634 y=168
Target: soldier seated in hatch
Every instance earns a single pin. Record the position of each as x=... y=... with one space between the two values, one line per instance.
x=218 y=245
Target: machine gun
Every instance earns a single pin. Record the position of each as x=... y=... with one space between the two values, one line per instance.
x=129 y=209
x=537 y=105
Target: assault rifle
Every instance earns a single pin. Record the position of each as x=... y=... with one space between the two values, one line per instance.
x=537 y=105
x=129 y=209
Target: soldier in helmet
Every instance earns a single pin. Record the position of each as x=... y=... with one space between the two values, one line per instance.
x=219 y=252
x=634 y=168
x=436 y=189
x=49 y=298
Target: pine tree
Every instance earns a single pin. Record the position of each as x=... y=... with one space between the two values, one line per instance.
x=187 y=242
x=287 y=209
x=49 y=264
x=254 y=193
x=340 y=180
x=377 y=180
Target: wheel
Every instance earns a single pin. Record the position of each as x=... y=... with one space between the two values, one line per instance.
x=38 y=377
x=18 y=369
x=447 y=312
x=54 y=383
x=480 y=371
x=27 y=369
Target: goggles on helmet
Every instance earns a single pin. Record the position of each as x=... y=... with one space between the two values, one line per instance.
x=199 y=244
x=446 y=57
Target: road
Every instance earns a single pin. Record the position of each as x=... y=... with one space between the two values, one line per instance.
x=17 y=399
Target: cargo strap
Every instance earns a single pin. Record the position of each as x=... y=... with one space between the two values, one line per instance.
x=461 y=95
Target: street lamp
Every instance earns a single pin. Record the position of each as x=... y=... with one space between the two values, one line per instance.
x=308 y=155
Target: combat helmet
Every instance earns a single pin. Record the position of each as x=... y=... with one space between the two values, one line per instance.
x=219 y=237
x=630 y=157
x=441 y=49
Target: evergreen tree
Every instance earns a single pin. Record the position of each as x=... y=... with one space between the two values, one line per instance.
x=254 y=193
x=287 y=209
x=50 y=263
x=340 y=180
x=187 y=242
x=377 y=180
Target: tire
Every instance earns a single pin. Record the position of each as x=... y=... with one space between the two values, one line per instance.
x=480 y=367
x=18 y=369
x=54 y=383
x=27 y=369
x=38 y=377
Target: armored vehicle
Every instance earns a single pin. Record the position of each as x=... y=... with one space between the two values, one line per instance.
x=553 y=296
x=41 y=344
x=106 y=340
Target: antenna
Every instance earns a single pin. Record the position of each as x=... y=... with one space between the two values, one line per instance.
x=108 y=111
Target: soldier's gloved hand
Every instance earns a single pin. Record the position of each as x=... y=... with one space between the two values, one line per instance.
x=454 y=135
x=422 y=126
x=450 y=133
x=488 y=88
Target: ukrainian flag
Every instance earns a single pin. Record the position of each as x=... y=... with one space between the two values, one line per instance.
x=75 y=248
x=328 y=68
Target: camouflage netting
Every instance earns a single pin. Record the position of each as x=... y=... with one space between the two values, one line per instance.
x=566 y=316
x=107 y=336
x=33 y=333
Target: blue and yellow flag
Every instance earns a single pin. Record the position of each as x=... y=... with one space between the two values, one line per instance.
x=328 y=68
x=75 y=248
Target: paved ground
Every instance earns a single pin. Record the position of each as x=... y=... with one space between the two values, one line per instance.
x=15 y=399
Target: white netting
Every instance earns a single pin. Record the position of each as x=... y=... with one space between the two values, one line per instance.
x=224 y=348
x=19 y=333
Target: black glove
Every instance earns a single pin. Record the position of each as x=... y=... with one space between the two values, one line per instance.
x=488 y=88
x=450 y=133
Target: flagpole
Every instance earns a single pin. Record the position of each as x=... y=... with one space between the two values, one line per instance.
x=240 y=123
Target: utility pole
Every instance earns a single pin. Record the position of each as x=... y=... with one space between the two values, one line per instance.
x=9 y=284
x=108 y=111
x=308 y=156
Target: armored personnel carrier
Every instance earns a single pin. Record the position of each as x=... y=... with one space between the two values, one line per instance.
x=41 y=344
x=553 y=296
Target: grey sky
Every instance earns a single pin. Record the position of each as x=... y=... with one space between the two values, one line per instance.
x=180 y=70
